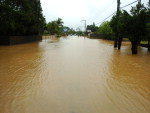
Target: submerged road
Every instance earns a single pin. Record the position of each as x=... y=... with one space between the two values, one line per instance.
x=73 y=75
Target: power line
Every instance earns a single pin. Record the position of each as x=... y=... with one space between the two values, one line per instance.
x=129 y=4
x=106 y=18
x=103 y=11
x=115 y=12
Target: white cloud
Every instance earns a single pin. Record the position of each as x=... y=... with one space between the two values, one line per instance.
x=73 y=11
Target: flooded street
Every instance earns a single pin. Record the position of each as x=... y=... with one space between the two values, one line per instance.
x=73 y=75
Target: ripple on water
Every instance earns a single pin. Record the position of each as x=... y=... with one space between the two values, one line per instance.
x=73 y=75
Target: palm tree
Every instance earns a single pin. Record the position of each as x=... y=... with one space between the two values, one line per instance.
x=59 y=22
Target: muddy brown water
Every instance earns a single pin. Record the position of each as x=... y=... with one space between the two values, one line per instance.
x=73 y=75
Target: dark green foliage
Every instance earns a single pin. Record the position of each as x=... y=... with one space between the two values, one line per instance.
x=55 y=27
x=136 y=25
x=93 y=28
x=131 y=25
x=21 y=17
x=138 y=21
x=148 y=27
x=59 y=22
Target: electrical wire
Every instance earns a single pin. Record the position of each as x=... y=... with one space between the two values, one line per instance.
x=106 y=18
x=129 y=4
x=116 y=11
x=103 y=11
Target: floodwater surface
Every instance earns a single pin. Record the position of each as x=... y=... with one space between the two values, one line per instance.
x=74 y=75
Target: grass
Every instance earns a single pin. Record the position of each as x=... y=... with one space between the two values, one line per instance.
x=144 y=42
x=125 y=39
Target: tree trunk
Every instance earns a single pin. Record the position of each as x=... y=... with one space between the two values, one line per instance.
x=148 y=46
x=134 y=47
x=119 y=42
x=116 y=41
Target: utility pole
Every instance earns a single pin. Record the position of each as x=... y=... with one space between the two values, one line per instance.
x=139 y=1
x=116 y=37
x=85 y=25
x=149 y=36
x=118 y=6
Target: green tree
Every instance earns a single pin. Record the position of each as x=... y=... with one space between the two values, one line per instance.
x=53 y=28
x=148 y=35
x=21 y=17
x=148 y=26
x=119 y=25
x=59 y=22
x=137 y=25
x=105 y=30
x=92 y=27
x=60 y=26
x=132 y=25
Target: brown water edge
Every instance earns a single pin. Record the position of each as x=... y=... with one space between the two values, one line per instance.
x=73 y=75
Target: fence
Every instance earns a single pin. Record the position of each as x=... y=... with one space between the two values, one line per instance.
x=12 y=40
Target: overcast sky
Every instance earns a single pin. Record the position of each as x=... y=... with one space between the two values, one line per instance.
x=73 y=11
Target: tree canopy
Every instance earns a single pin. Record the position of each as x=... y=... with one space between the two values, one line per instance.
x=92 y=27
x=55 y=27
x=21 y=17
x=105 y=30
x=132 y=25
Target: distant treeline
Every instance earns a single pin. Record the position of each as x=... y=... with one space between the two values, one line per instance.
x=21 y=17
x=57 y=28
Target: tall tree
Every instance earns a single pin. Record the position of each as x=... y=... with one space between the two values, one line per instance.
x=59 y=22
x=148 y=25
x=53 y=28
x=131 y=25
x=137 y=26
x=21 y=17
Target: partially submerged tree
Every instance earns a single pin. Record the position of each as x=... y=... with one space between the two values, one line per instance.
x=131 y=25
x=148 y=26
x=137 y=25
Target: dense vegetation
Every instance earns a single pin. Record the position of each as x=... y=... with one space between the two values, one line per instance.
x=106 y=31
x=57 y=28
x=92 y=27
x=134 y=25
x=21 y=17
x=24 y=17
